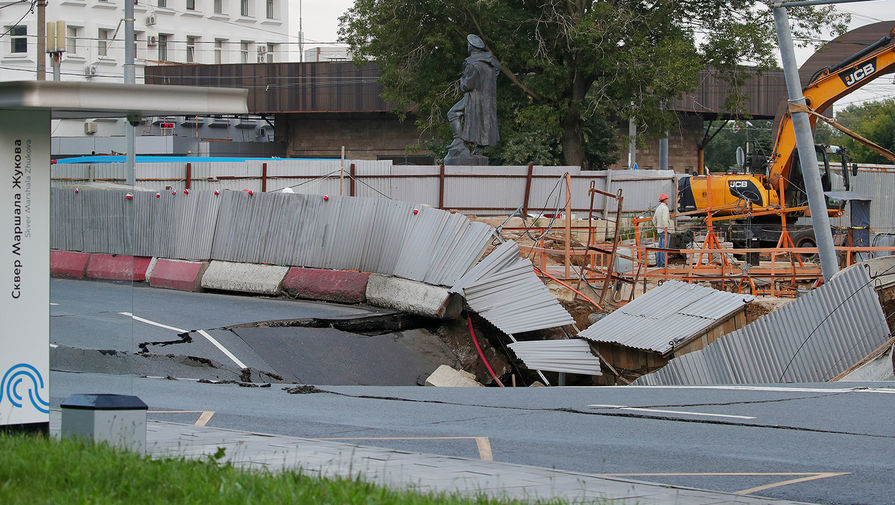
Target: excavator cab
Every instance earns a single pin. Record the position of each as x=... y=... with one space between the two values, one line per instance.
x=796 y=196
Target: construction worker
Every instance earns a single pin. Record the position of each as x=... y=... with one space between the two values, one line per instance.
x=664 y=225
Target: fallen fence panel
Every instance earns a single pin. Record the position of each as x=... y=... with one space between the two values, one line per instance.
x=812 y=339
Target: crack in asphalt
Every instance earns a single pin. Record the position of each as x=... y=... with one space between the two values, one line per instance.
x=185 y=338
x=744 y=402
x=315 y=390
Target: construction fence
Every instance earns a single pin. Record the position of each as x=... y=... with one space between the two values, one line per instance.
x=371 y=235
x=471 y=190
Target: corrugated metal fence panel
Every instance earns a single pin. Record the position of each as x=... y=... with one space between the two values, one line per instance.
x=74 y=171
x=812 y=339
x=107 y=171
x=210 y=176
x=569 y=356
x=322 y=176
x=642 y=193
x=422 y=189
x=144 y=227
x=503 y=289
x=666 y=315
x=344 y=233
x=501 y=187
x=387 y=235
x=456 y=253
x=107 y=221
x=160 y=175
x=232 y=227
x=880 y=186
x=485 y=187
x=192 y=229
x=66 y=220
x=374 y=187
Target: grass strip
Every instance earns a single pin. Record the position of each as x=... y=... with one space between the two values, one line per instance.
x=39 y=470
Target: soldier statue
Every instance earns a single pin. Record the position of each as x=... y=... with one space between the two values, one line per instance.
x=474 y=118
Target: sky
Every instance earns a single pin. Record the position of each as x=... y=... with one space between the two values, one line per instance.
x=320 y=23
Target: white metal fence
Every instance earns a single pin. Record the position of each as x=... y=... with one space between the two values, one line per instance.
x=472 y=190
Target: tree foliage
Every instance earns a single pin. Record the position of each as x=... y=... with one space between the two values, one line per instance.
x=872 y=120
x=572 y=69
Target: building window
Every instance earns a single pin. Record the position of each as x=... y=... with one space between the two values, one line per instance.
x=270 y=49
x=191 y=49
x=245 y=7
x=218 y=51
x=103 y=36
x=270 y=10
x=137 y=37
x=244 y=47
x=18 y=39
x=218 y=6
x=162 y=3
x=190 y=5
x=162 y=47
x=71 y=39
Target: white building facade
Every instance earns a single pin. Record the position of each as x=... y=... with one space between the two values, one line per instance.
x=165 y=32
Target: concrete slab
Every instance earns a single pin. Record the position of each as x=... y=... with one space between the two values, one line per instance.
x=244 y=277
x=118 y=267
x=329 y=285
x=72 y=265
x=445 y=376
x=411 y=296
x=177 y=274
x=327 y=356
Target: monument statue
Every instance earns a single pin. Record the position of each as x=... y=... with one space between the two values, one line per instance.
x=473 y=119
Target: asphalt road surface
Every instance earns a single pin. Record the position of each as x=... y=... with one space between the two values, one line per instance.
x=824 y=443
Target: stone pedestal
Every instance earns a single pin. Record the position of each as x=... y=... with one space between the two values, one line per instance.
x=459 y=155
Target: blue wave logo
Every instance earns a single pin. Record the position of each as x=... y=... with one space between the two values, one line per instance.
x=28 y=377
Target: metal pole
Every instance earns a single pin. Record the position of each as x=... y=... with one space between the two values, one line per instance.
x=632 y=143
x=301 y=37
x=130 y=77
x=807 y=156
x=41 y=40
x=663 y=149
x=663 y=152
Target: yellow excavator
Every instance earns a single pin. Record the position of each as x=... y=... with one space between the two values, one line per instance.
x=749 y=194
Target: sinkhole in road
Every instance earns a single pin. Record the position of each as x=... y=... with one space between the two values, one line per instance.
x=381 y=349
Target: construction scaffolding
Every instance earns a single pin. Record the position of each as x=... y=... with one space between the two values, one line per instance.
x=617 y=256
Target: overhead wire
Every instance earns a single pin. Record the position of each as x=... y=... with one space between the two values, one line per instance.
x=14 y=25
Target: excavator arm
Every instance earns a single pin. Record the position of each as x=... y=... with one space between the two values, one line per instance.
x=826 y=87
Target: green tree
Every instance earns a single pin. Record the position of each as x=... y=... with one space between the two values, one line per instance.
x=571 y=67
x=872 y=120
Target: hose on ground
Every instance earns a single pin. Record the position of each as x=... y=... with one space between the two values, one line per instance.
x=481 y=354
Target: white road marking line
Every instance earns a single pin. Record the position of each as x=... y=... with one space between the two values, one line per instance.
x=223 y=349
x=211 y=339
x=153 y=323
x=54 y=304
x=54 y=346
x=676 y=412
x=783 y=389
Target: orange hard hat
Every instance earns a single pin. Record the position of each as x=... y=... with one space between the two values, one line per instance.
x=663 y=196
